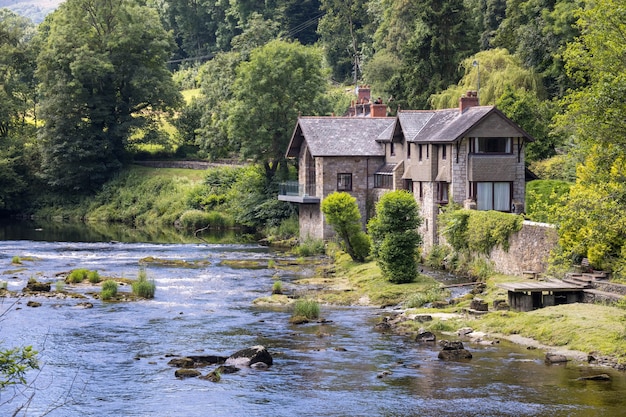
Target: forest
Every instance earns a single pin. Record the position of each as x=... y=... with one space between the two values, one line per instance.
x=101 y=83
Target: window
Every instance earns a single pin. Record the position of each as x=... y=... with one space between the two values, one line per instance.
x=408 y=150
x=444 y=151
x=442 y=192
x=419 y=151
x=426 y=151
x=421 y=190
x=383 y=181
x=392 y=149
x=491 y=145
x=493 y=196
x=344 y=182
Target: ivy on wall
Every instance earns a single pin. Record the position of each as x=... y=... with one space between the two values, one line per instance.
x=478 y=231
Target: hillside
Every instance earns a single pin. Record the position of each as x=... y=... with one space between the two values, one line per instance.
x=35 y=10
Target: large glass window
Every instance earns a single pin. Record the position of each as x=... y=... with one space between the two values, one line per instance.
x=344 y=182
x=442 y=192
x=491 y=145
x=493 y=196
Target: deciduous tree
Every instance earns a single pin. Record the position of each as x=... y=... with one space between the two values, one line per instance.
x=281 y=80
x=103 y=77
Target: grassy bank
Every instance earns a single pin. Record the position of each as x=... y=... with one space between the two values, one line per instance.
x=579 y=327
x=346 y=282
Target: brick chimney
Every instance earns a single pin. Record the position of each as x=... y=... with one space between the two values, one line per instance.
x=363 y=94
x=468 y=100
x=378 y=109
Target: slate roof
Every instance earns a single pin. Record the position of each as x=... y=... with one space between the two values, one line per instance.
x=447 y=125
x=340 y=136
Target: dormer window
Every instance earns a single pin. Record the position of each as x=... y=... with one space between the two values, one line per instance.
x=491 y=145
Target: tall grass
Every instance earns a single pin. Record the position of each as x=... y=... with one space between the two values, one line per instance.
x=309 y=309
x=143 y=287
x=81 y=274
x=109 y=289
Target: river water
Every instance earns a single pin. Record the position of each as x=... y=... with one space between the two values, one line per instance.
x=112 y=359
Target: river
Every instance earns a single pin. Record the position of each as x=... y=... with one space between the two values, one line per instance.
x=112 y=359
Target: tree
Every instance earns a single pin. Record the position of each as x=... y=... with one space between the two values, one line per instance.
x=498 y=71
x=431 y=56
x=343 y=33
x=103 y=78
x=281 y=80
x=394 y=236
x=17 y=68
x=593 y=221
x=342 y=213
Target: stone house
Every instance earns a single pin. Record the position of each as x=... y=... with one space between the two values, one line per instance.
x=472 y=155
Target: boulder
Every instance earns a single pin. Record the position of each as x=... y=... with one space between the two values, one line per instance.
x=464 y=331
x=422 y=318
x=555 y=358
x=181 y=363
x=424 y=336
x=35 y=286
x=33 y=304
x=454 y=355
x=187 y=373
x=479 y=305
x=453 y=351
x=250 y=356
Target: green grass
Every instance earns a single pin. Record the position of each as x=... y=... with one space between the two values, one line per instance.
x=16 y=260
x=143 y=287
x=277 y=287
x=4 y=285
x=109 y=289
x=306 y=308
x=79 y=275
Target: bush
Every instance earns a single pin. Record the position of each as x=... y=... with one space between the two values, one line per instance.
x=277 y=288
x=143 y=287
x=78 y=275
x=16 y=260
x=306 y=308
x=93 y=277
x=310 y=247
x=4 y=285
x=59 y=286
x=395 y=237
x=109 y=289
x=342 y=213
x=436 y=257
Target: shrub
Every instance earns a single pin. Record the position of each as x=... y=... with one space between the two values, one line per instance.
x=436 y=256
x=93 y=277
x=310 y=247
x=78 y=275
x=342 y=213
x=16 y=260
x=143 y=287
x=277 y=288
x=4 y=285
x=109 y=289
x=394 y=236
x=59 y=286
x=306 y=308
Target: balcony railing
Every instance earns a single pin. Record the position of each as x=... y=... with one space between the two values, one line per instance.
x=296 y=192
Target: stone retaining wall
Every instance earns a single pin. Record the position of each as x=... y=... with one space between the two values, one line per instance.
x=529 y=249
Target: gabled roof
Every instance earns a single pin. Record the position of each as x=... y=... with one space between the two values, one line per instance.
x=339 y=136
x=447 y=125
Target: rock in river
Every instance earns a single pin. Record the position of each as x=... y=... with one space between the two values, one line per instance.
x=250 y=356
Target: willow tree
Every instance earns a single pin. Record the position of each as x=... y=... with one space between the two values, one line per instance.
x=103 y=77
x=494 y=71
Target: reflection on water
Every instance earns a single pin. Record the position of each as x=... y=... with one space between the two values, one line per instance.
x=111 y=360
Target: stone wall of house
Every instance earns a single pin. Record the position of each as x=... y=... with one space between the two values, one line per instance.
x=458 y=191
x=529 y=249
x=311 y=224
